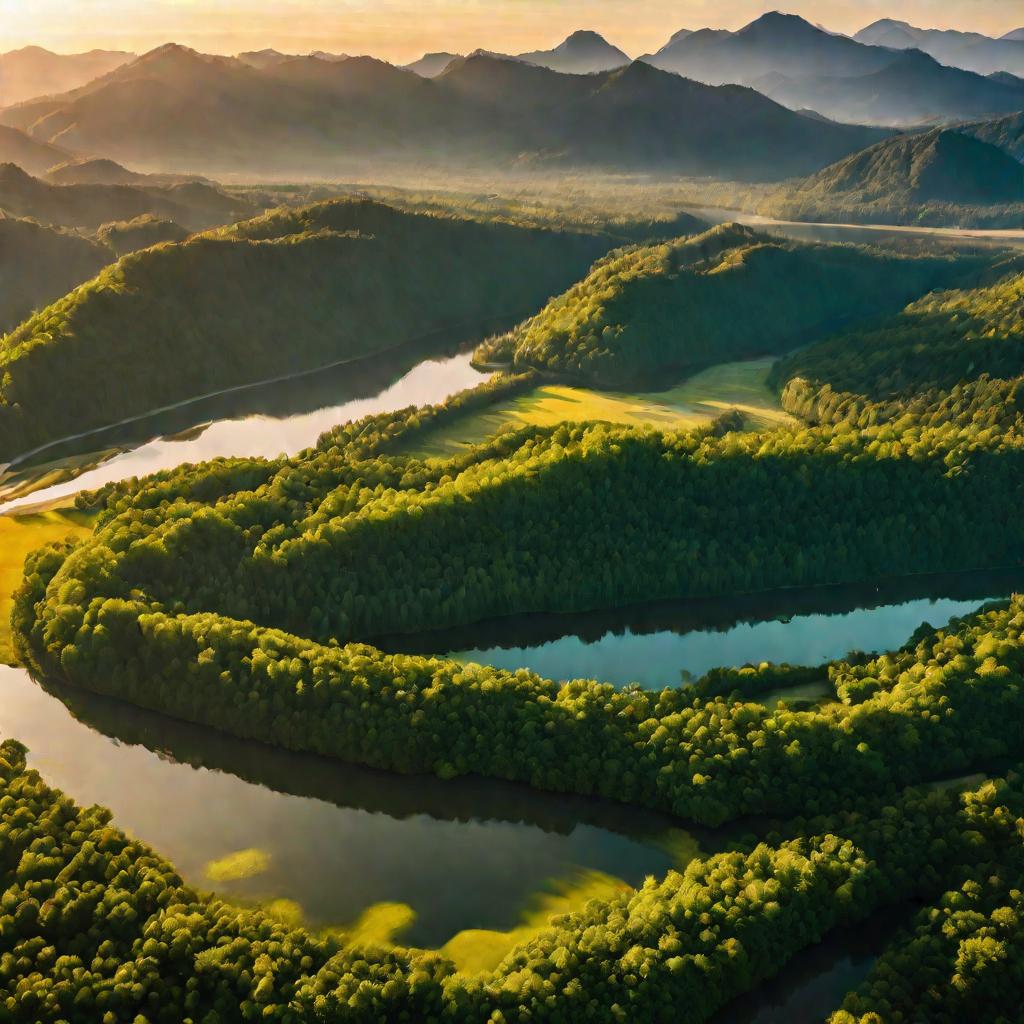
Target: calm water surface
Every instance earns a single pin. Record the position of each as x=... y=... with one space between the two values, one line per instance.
x=464 y=854
x=264 y=420
x=666 y=644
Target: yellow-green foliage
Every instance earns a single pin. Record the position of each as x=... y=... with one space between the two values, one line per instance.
x=736 y=387
x=238 y=865
x=480 y=950
x=20 y=534
x=952 y=357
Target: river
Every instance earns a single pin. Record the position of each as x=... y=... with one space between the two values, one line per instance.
x=464 y=853
x=262 y=420
x=813 y=231
x=669 y=643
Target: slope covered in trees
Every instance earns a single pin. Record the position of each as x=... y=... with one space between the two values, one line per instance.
x=263 y=567
x=125 y=236
x=646 y=313
x=941 y=176
x=954 y=357
x=39 y=264
x=287 y=292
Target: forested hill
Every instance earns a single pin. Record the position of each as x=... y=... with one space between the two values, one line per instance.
x=287 y=292
x=1005 y=132
x=955 y=355
x=175 y=109
x=731 y=293
x=956 y=172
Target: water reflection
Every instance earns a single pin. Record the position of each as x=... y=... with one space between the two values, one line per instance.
x=815 y=982
x=263 y=420
x=467 y=853
x=662 y=644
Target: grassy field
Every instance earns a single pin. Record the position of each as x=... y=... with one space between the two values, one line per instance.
x=20 y=534
x=699 y=399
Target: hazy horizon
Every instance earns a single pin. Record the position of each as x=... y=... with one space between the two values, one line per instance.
x=402 y=30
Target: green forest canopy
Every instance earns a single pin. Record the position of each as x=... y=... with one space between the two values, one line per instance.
x=239 y=593
x=649 y=313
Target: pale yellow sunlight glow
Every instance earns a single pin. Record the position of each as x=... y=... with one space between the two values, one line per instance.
x=401 y=30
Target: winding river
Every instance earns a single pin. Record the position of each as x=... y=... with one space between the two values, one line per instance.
x=466 y=853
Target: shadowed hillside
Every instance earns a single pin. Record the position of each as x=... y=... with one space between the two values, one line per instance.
x=1005 y=132
x=913 y=89
x=31 y=155
x=88 y=206
x=651 y=314
x=39 y=264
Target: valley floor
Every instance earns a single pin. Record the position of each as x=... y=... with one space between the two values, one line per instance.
x=738 y=386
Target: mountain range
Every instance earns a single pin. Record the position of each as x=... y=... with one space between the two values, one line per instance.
x=174 y=109
x=912 y=89
x=773 y=44
x=806 y=67
x=969 y=50
x=33 y=71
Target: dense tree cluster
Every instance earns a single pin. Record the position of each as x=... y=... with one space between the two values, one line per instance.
x=287 y=292
x=236 y=594
x=96 y=927
x=730 y=293
x=962 y=960
x=952 y=359
x=159 y=607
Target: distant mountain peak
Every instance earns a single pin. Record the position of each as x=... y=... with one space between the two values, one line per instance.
x=12 y=172
x=171 y=50
x=583 y=51
x=430 y=65
x=887 y=23
x=584 y=37
x=776 y=22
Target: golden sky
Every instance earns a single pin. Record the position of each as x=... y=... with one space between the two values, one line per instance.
x=401 y=30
